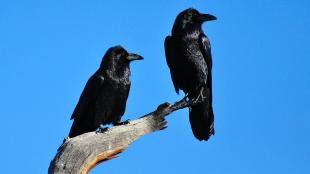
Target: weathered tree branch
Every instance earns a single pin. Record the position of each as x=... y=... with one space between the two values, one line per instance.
x=80 y=154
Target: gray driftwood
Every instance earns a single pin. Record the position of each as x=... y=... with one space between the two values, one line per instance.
x=80 y=154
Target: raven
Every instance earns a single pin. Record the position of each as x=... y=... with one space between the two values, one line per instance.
x=103 y=100
x=188 y=55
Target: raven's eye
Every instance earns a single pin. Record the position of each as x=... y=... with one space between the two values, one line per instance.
x=118 y=56
x=123 y=55
x=187 y=16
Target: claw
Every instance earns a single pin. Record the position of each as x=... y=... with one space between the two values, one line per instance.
x=186 y=98
x=118 y=123
x=125 y=122
x=199 y=99
x=102 y=129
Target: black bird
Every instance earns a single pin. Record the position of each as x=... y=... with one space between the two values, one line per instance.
x=188 y=55
x=103 y=100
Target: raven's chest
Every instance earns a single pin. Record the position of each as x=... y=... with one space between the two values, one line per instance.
x=190 y=67
x=119 y=84
x=188 y=54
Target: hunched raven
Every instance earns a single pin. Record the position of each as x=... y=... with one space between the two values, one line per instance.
x=103 y=100
x=188 y=55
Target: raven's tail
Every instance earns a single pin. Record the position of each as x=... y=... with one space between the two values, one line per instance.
x=202 y=120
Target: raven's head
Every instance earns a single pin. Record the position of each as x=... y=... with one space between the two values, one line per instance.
x=118 y=56
x=190 y=19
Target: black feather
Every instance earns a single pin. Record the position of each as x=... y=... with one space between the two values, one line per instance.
x=188 y=55
x=103 y=100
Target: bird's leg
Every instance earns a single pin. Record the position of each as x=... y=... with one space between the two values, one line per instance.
x=125 y=122
x=188 y=101
x=186 y=98
x=118 y=122
x=102 y=129
x=200 y=98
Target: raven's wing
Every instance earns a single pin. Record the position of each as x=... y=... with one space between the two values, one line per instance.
x=120 y=103
x=201 y=115
x=170 y=62
x=205 y=48
x=88 y=96
x=124 y=99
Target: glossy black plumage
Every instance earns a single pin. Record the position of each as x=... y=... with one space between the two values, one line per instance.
x=104 y=97
x=188 y=56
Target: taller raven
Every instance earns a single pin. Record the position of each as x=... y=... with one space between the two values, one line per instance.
x=188 y=55
x=104 y=97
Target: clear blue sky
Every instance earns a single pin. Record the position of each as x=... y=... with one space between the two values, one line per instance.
x=261 y=73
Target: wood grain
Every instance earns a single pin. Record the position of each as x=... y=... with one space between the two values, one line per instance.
x=80 y=154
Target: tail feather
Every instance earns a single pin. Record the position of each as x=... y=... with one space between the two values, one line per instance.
x=202 y=120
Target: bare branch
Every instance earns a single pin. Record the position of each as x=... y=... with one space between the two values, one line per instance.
x=80 y=154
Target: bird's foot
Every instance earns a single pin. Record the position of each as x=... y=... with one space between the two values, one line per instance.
x=200 y=98
x=187 y=99
x=125 y=122
x=102 y=129
x=118 y=123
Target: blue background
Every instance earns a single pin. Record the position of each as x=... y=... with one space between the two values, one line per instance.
x=261 y=72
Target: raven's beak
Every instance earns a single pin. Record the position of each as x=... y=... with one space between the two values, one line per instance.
x=132 y=57
x=206 y=17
